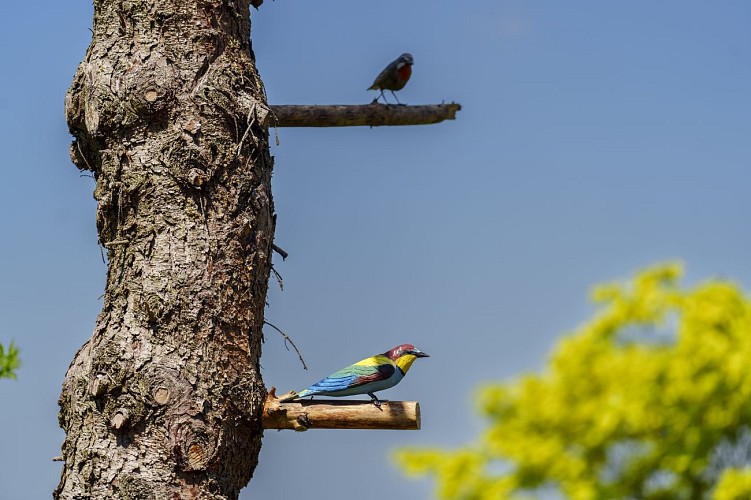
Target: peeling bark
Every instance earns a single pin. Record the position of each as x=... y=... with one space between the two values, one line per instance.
x=166 y=110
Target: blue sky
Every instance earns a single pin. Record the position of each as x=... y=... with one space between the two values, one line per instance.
x=594 y=139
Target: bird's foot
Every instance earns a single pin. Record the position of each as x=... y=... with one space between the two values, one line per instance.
x=376 y=402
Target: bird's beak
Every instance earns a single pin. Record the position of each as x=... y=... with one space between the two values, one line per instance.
x=419 y=354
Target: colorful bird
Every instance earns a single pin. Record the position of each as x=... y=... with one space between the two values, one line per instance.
x=368 y=376
x=394 y=76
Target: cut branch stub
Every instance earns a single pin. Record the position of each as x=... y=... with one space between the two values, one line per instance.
x=302 y=415
x=373 y=115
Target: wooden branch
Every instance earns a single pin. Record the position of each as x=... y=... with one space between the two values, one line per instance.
x=280 y=251
x=302 y=415
x=374 y=115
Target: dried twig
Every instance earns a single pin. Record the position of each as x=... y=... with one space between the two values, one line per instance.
x=280 y=251
x=115 y=243
x=251 y=121
x=278 y=277
x=78 y=145
x=287 y=339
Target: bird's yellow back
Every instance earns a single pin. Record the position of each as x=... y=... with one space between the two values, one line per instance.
x=376 y=360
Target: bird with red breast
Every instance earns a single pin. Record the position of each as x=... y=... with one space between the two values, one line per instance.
x=393 y=77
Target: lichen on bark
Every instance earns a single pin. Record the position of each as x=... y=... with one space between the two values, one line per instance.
x=167 y=111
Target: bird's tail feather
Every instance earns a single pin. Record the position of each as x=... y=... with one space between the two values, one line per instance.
x=295 y=395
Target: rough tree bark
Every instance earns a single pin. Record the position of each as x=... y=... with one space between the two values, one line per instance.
x=165 y=399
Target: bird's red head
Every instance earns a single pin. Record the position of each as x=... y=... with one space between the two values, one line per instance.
x=401 y=350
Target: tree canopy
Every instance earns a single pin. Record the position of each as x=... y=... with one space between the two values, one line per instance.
x=9 y=361
x=649 y=399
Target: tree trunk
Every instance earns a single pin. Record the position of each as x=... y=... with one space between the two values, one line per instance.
x=165 y=399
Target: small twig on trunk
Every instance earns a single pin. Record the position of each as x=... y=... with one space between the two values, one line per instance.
x=251 y=121
x=280 y=251
x=114 y=243
x=78 y=145
x=287 y=339
x=278 y=277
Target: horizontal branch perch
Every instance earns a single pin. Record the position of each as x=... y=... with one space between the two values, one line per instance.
x=374 y=115
x=302 y=415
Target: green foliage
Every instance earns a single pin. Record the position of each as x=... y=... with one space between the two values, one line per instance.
x=9 y=361
x=651 y=399
x=733 y=484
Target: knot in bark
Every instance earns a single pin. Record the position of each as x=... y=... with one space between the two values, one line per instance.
x=194 y=445
x=161 y=395
x=197 y=177
x=121 y=419
x=164 y=385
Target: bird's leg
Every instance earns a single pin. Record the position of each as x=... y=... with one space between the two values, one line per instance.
x=376 y=402
x=397 y=99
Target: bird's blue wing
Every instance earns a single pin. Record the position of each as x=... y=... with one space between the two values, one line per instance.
x=366 y=371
